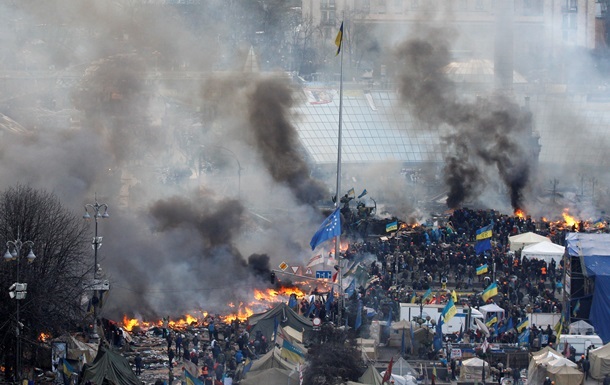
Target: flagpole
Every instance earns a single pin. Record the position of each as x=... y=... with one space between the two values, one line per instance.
x=338 y=191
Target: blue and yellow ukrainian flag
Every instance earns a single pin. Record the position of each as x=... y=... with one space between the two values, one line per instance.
x=522 y=325
x=339 y=39
x=482 y=269
x=483 y=238
x=391 y=226
x=292 y=353
x=190 y=379
x=449 y=311
x=427 y=295
x=491 y=322
x=491 y=291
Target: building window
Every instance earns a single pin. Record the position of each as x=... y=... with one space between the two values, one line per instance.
x=414 y=4
x=479 y=6
x=463 y=5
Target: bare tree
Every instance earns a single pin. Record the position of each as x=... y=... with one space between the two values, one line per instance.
x=54 y=280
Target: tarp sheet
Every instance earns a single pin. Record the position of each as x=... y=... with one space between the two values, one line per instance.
x=600 y=362
x=594 y=253
x=109 y=367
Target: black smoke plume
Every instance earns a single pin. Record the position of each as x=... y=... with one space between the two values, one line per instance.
x=277 y=140
x=488 y=132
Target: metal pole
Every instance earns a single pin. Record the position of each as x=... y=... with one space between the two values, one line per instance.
x=96 y=207
x=19 y=293
x=338 y=191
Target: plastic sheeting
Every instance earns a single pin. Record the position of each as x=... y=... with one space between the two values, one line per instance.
x=594 y=252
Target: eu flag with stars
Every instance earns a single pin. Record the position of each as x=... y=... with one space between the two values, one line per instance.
x=330 y=228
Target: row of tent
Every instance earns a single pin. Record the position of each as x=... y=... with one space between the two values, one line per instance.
x=548 y=362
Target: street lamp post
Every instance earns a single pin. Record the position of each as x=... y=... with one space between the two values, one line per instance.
x=18 y=290
x=96 y=244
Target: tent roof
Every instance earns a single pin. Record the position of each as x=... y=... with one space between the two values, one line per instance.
x=491 y=308
x=561 y=361
x=271 y=359
x=273 y=376
x=544 y=351
x=110 y=367
x=402 y=367
x=580 y=325
x=602 y=351
x=528 y=238
x=265 y=322
x=544 y=248
x=519 y=241
x=371 y=376
x=474 y=361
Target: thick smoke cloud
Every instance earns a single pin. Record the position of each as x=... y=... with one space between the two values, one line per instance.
x=277 y=139
x=488 y=132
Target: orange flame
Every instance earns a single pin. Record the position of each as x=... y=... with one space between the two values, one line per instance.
x=519 y=213
x=44 y=337
x=129 y=324
x=568 y=219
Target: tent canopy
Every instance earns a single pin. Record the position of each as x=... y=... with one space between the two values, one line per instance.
x=109 y=367
x=565 y=375
x=600 y=362
x=271 y=359
x=581 y=327
x=546 y=251
x=492 y=308
x=285 y=316
x=273 y=376
x=371 y=376
x=472 y=369
x=518 y=242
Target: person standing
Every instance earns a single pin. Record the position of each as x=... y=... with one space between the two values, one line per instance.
x=138 y=362
x=171 y=355
x=586 y=365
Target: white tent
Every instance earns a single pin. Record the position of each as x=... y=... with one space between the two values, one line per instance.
x=600 y=362
x=546 y=251
x=492 y=308
x=518 y=242
x=581 y=327
x=472 y=369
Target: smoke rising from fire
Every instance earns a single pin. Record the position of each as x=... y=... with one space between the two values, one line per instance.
x=481 y=133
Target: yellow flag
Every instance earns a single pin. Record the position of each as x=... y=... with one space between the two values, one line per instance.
x=339 y=39
x=454 y=296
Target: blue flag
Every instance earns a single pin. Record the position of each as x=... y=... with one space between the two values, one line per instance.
x=351 y=288
x=191 y=379
x=483 y=239
x=363 y=193
x=358 y=316
x=330 y=228
x=438 y=336
x=312 y=307
x=524 y=338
